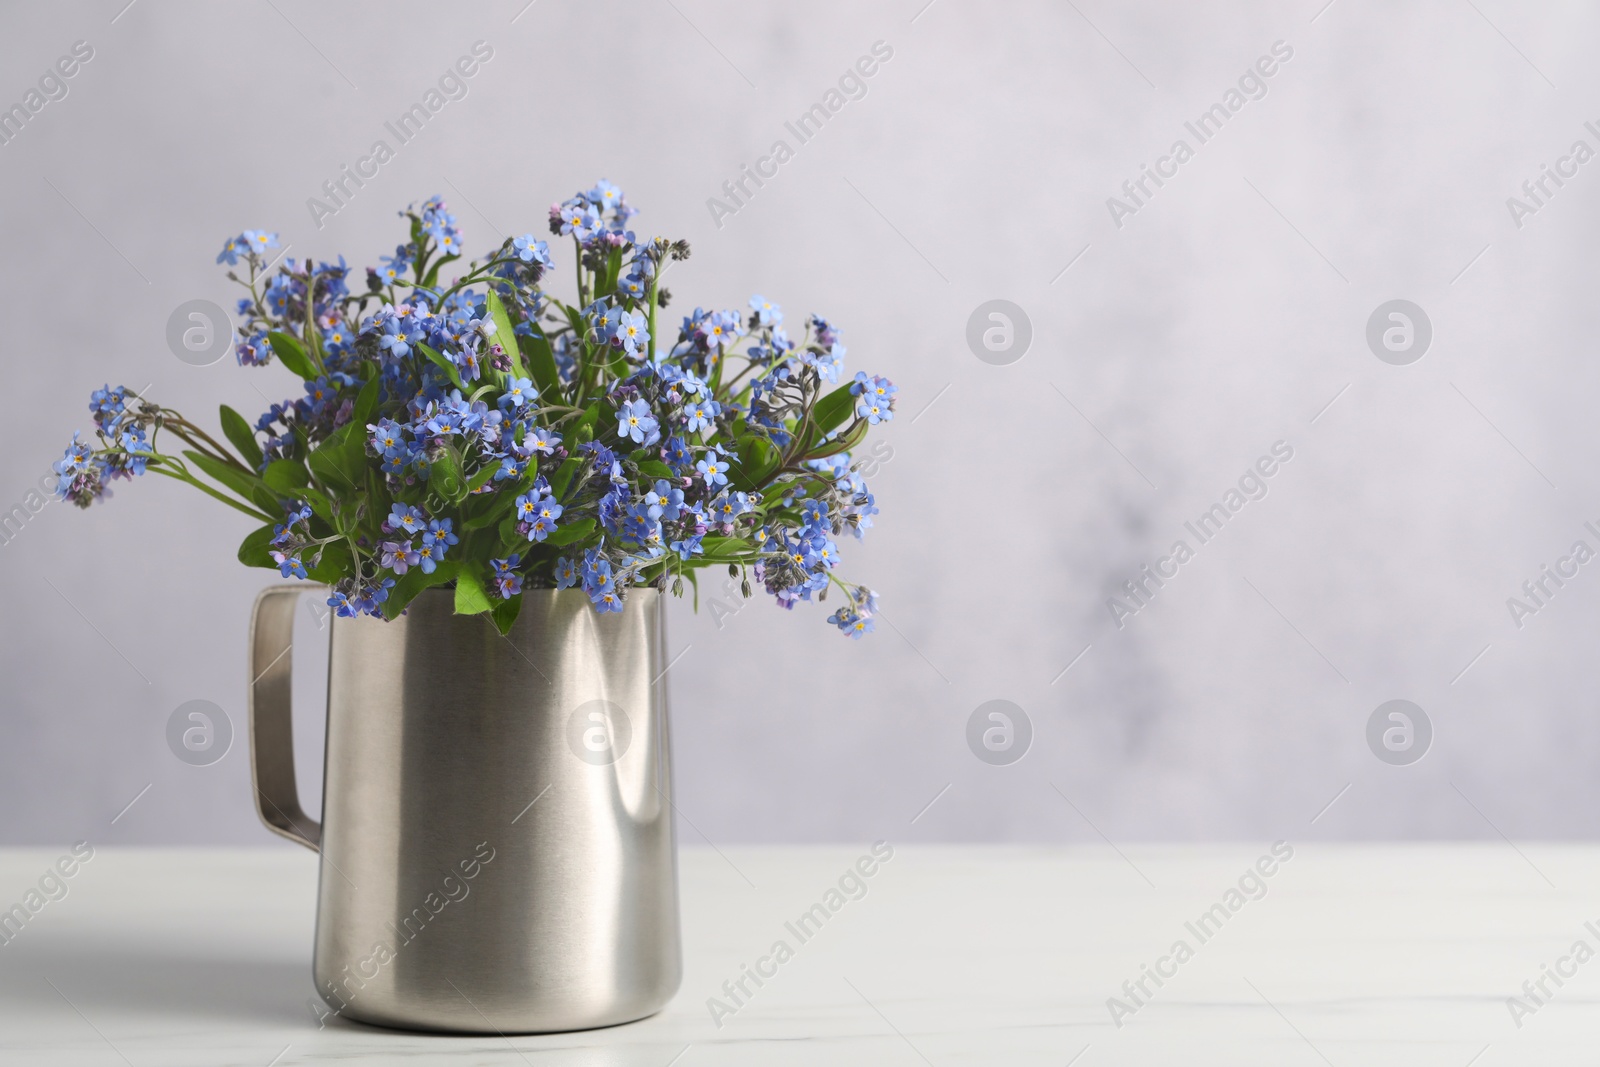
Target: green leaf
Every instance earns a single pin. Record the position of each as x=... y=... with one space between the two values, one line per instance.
x=440 y=360
x=583 y=430
x=286 y=476
x=503 y=503
x=504 y=336
x=241 y=436
x=414 y=581
x=575 y=320
x=563 y=476
x=321 y=506
x=247 y=486
x=832 y=410
x=483 y=477
x=505 y=613
x=654 y=468
x=253 y=549
x=565 y=535
x=292 y=354
x=445 y=477
x=841 y=444
x=379 y=500
x=433 y=272
x=471 y=599
x=757 y=460
x=340 y=461
x=366 y=404
x=542 y=362
x=335 y=564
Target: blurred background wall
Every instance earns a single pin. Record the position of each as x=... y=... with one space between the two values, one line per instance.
x=1177 y=337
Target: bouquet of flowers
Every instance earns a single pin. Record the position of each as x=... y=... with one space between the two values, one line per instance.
x=480 y=432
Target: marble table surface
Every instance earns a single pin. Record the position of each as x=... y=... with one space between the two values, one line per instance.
x=1342 y=954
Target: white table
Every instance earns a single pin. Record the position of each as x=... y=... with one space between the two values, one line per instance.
x=1401 y=954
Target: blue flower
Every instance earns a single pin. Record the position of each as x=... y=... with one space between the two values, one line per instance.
x=664 y=501
x=250 y=242
x=635 y=422
x=718 y=330
x=650 y=521
x=714 y=470
x=699 y=413
x=258 y=241
x=438 y=538
x=678 y=453
x=75 y=461
x=507 y=582
x=604 y=195
x=395 y=266
x=541 y=440
x=530 y=251
x=688 y=546
x=404 y=518
x=336 y=339
x=519 y=393
x=368 y=597
x=851 y=623
x=874 y=397
x=510 y=467
x=577 y=218
x=767 y=313
x=136 y=451
x=107 y=406
x=634 y=285
x=729 y=506
x=543 y=521
x=596 y=572
x=630 y=332
x=445 y=422
x=399 y=330
x=387 y=438
x=468 y=362
x=399 y=556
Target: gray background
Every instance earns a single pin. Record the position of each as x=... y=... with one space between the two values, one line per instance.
x=1223 y=317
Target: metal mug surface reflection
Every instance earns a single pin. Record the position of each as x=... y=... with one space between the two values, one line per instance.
x=497 y=835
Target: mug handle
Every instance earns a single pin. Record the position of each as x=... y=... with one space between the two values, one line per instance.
x=271 y=730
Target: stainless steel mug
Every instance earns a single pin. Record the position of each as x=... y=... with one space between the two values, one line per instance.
x=497 y=834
